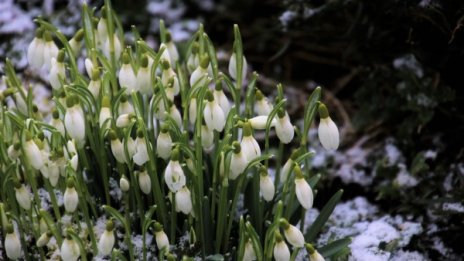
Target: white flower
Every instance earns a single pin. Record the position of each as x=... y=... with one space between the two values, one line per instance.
x=57 y=71
x=127 y=78
x=249 y=253
x=184 y=200
x=200 y=74
x=328 y=131
x=35 y=50
x=144 y=83
x=14 y=151
x=141 y=154
x=288 y=166
x=193 y=110
x=262 y=105
x=284 y=129
x=207 y=137
x=238 y=161
x=175 y=115
x=144 y=182
x=70 y=250
x=303 y=191
x=174 y=175
x=106 y=242
x=316 y=256
x=23 y=196
x=213 y=114
x=50 y=50
x=171 y=48
x=74 y=120
x=266 y=186
x=125 y=107
x=89 y=67
x=193 y=60
x=165 y=55
x=169 y=79
x=161 y=238
x=95 y=84
x=105 y=111
x=164 y=144
x=123 y=120
x=56 y=122
x=250 y=146
x=124 y=184
x=33 y=154
x=292 y=234
x=70 y=198
x=222 y=100
x=117 y=48
x=259 y=122
x=12 y=244
x=76 y=41
x=44 y=239
x=102 y=30
x=281 y=251
x=233 y=66
x=131 y=149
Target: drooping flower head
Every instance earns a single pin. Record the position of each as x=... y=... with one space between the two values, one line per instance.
x=328 y=131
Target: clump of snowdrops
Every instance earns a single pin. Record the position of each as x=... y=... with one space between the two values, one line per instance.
x=179 y=137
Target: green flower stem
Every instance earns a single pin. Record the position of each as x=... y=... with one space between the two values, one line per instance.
x=173 y=220
x=56 y=208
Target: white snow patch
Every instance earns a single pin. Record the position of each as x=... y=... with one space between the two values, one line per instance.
x=453 y=207
x=404 y=178
x=287 y=17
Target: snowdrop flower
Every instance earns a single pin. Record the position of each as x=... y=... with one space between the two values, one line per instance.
x=54 y=167
x=23 y=197
x=213 y=114
x=250 y=146
x=281 y=251
x=106 y=242
x=102 y=29
x=266 y=185
x=169 y=77
x=238 y=161
x=50 y=50
x=141 y=154
x=44 y=239
x=175 y=114
x=74 y=120
x=144 y=181
x=57 y=71
x=193 y=60
x=259 y=122
x=165 y=54
x=174 y=175
x=144 y=82
x=207 y=137
x=127 y=78
x=303 y=191
x=292 y=234
x=70 y=249
x=20 y=103
x=201 y=72
x=14 y=150
x=12 y=244
x=262 y=105
x=161 y=238
x=328 y=131
x=233 y=66
x=249 y=253
x=221 y=99
x=131 y=149
x=289 y=165
x=124 y=184
x=313 y=254
x=74 y=162
x=164 y=143
x=33 y=154
x=125 y=107
x=105 y=112
x=172 y=49
x=117 y=47
x=89 y=67
x=124 y=120
x=95 y=83
x=76 y=41
x=284 y=128
x=56 y=122
x=184 y=200
x=35 y=50
x=70 y=198
x=193 y=110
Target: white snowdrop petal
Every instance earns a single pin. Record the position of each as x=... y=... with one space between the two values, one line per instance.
x=69 y=250
x=294 y=236
x=70 y=199
x=267 y=187
x=281 y=251
x=284 y=129
x=106 y=243
x=164 y=145
x=174 y=176
x=328 y=134
x=144 y=182
x=249 y=253
x=162 y=240
x=304 y=193
x=12 y=246
x=184 y=200
x=259 y=122
x=238 y=163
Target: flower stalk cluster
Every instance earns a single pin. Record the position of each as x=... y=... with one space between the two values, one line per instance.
x=167 y=130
